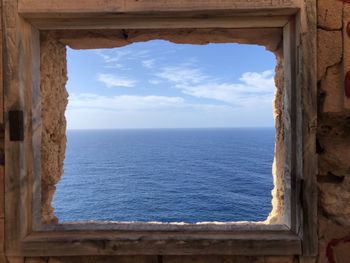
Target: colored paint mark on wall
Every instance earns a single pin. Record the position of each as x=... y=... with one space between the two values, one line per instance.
x=332 y=244
x=347 y=85
x=347 y=76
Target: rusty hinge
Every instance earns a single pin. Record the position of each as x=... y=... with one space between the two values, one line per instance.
x=16 y=123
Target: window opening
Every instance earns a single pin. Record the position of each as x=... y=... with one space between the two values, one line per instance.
x=168 y=132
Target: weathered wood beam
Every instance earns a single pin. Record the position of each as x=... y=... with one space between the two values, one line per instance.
x=143 y=22
x=131 y=14
x=307 y=165
x=65 y=7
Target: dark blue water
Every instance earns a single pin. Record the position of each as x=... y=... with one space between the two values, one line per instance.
x=167 y=175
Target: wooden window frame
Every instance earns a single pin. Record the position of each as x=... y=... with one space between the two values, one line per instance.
x=26 y=236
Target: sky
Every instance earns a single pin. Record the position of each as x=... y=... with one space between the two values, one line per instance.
x=158 y=84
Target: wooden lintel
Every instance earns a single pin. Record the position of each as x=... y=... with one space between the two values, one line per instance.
x=39 y=7
x=113 y=22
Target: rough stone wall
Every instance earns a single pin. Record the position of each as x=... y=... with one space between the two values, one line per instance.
x=2 y=159
x=333 y=141
x=54 y=101
x=276 y=214
x=165 y=259
x=333 y=137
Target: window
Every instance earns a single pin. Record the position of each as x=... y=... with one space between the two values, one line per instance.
x=167 y=132
x=293 y=233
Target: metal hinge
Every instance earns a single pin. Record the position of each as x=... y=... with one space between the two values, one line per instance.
x=16 y=123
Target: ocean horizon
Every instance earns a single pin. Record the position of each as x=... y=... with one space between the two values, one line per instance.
x=170 y=128
x=167 y=175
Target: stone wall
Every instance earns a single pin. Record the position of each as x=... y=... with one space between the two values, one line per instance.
x=54 y=101
x=333 y=137
x=2 y=159
x=333 y=150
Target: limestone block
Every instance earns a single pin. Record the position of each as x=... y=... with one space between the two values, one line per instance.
x=330 y=50
x=335 y=200
x=227 y=259
x=15 y=260
x=251 y=259
x=332 y=86
x=47 y=210
x=277 y=213
x=105 y=259
x=334 y=126
x=54 y=102
x=35 y=260
x=2 y=236
x=342 y=252
x=308 y=260
x=60 y=260
x=2 y=191
x=331 y=242
x=202 y=259
x=334 y=141
x=1 y=73
x=218 y=259
x=346 y=55
x=335 y=159
x=280 y=259
x=3 y=259
x=329 y=14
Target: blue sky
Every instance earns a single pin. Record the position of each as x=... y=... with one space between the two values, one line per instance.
x=158 y=84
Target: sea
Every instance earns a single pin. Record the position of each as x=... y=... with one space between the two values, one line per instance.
x=166 y=175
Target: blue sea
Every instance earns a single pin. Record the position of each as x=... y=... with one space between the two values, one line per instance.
x=166 y=175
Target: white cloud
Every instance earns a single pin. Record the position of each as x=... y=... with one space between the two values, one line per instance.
x=114 y=81
x=120 y=58
x=154 y=81
x=253 y=90
x=116 y=66
x=148 y=63
x=259 y=82
x=114 y=57
x=136 y=103
x=123 y=102
x=229 y=93
x=120 y=55
x=91 y=111
x=182 y=75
